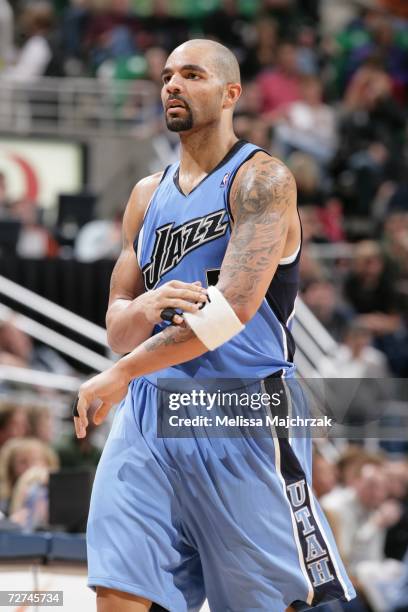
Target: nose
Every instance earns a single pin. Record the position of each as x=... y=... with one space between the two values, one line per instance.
x=174 y=84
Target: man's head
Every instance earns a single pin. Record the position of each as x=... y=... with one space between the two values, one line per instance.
x=201 y=84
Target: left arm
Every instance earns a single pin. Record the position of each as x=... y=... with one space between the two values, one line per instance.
x=263 y=198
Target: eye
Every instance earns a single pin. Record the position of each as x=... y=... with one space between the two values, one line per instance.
x=166 y=78
x=193 y=76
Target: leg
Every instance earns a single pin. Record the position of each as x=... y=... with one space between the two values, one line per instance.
x=111 y=600
x=134 y=538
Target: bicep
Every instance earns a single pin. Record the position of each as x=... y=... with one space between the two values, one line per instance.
x=263 y=201
x=127 y=279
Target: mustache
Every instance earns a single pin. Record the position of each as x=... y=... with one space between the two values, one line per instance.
x=180 y=98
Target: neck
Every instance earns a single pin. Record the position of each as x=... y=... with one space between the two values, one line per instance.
x=203 y=149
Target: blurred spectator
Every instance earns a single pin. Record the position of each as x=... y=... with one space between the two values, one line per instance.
x=17 y=349
x=320 y=296
x=308 y=181
x=99 y=240
x=111 y=33
x=370 y=286
x=74 y=24
x=373 y=36
x=41 y=423
x=397 y=7
x=253 y=128
x=162 y=28
x=334 y=15
x=40 y=53
x=307 y=50
x=371 y=138
x=362 y=513
x=76 y=452
x=29 y=502
x=17 y=457
x=395 y=244
x=227 y=25
x=351 y=461
x=399 y=601
x=324 y=474
x=6 y=34
x=297 y=127
x=284 y=11
x=355 y=357
x=13 y=421
x=396 y=542
x=260 y=53
x=35 y=240
x=15 y=345
x=280 y=86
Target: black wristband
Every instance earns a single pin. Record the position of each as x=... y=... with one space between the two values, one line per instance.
x=167 y=314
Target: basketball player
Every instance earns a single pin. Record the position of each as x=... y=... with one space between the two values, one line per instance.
x=216 y=239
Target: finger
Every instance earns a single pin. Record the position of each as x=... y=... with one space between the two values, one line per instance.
x=82 y=408
x=101 y=413
x=187 y=294
x=80 y=430
x=178 y=320
x=183 y=305
x=182 y=285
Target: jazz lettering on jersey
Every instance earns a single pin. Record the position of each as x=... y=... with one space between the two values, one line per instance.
x=173 y=243
x=317 y=559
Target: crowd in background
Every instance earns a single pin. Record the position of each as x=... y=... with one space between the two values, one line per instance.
x=34 y=443
x=325 y=87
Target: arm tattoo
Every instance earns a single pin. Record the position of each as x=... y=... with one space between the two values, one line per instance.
x=169 y=336
x=261 y=201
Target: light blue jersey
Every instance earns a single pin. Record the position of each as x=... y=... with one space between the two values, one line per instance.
x=231 y=519
x=185 y=238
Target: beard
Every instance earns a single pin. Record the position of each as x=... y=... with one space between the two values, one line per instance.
x=180 y=124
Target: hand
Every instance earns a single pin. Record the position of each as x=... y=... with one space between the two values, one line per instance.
x=110 y=387
x=388 y=514
x=188 y=297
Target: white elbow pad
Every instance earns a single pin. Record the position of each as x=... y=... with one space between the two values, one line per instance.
x=216 y=322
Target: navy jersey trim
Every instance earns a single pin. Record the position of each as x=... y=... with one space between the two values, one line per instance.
x=234 y=149
x=165 y=171
x=319 y=563
x=297 y=259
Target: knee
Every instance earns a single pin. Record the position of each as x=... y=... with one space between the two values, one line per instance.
x=112 y=600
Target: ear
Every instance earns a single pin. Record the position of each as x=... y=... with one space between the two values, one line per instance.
x=231 y=95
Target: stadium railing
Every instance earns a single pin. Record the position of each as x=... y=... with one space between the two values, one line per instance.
x=76 y=106
x=313 y=341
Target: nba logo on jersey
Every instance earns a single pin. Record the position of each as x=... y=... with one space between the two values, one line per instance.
x=225 y=179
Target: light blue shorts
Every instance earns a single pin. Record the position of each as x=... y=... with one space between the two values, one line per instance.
x=233 y=520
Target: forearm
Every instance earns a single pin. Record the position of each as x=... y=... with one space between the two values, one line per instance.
x=127 y=325
x=172 y=346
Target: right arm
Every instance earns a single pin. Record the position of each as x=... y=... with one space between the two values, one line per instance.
x=132 y=313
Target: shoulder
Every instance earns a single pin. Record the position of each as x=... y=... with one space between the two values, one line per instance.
x=144 y=189
x=139 y=200
x=266 y=179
